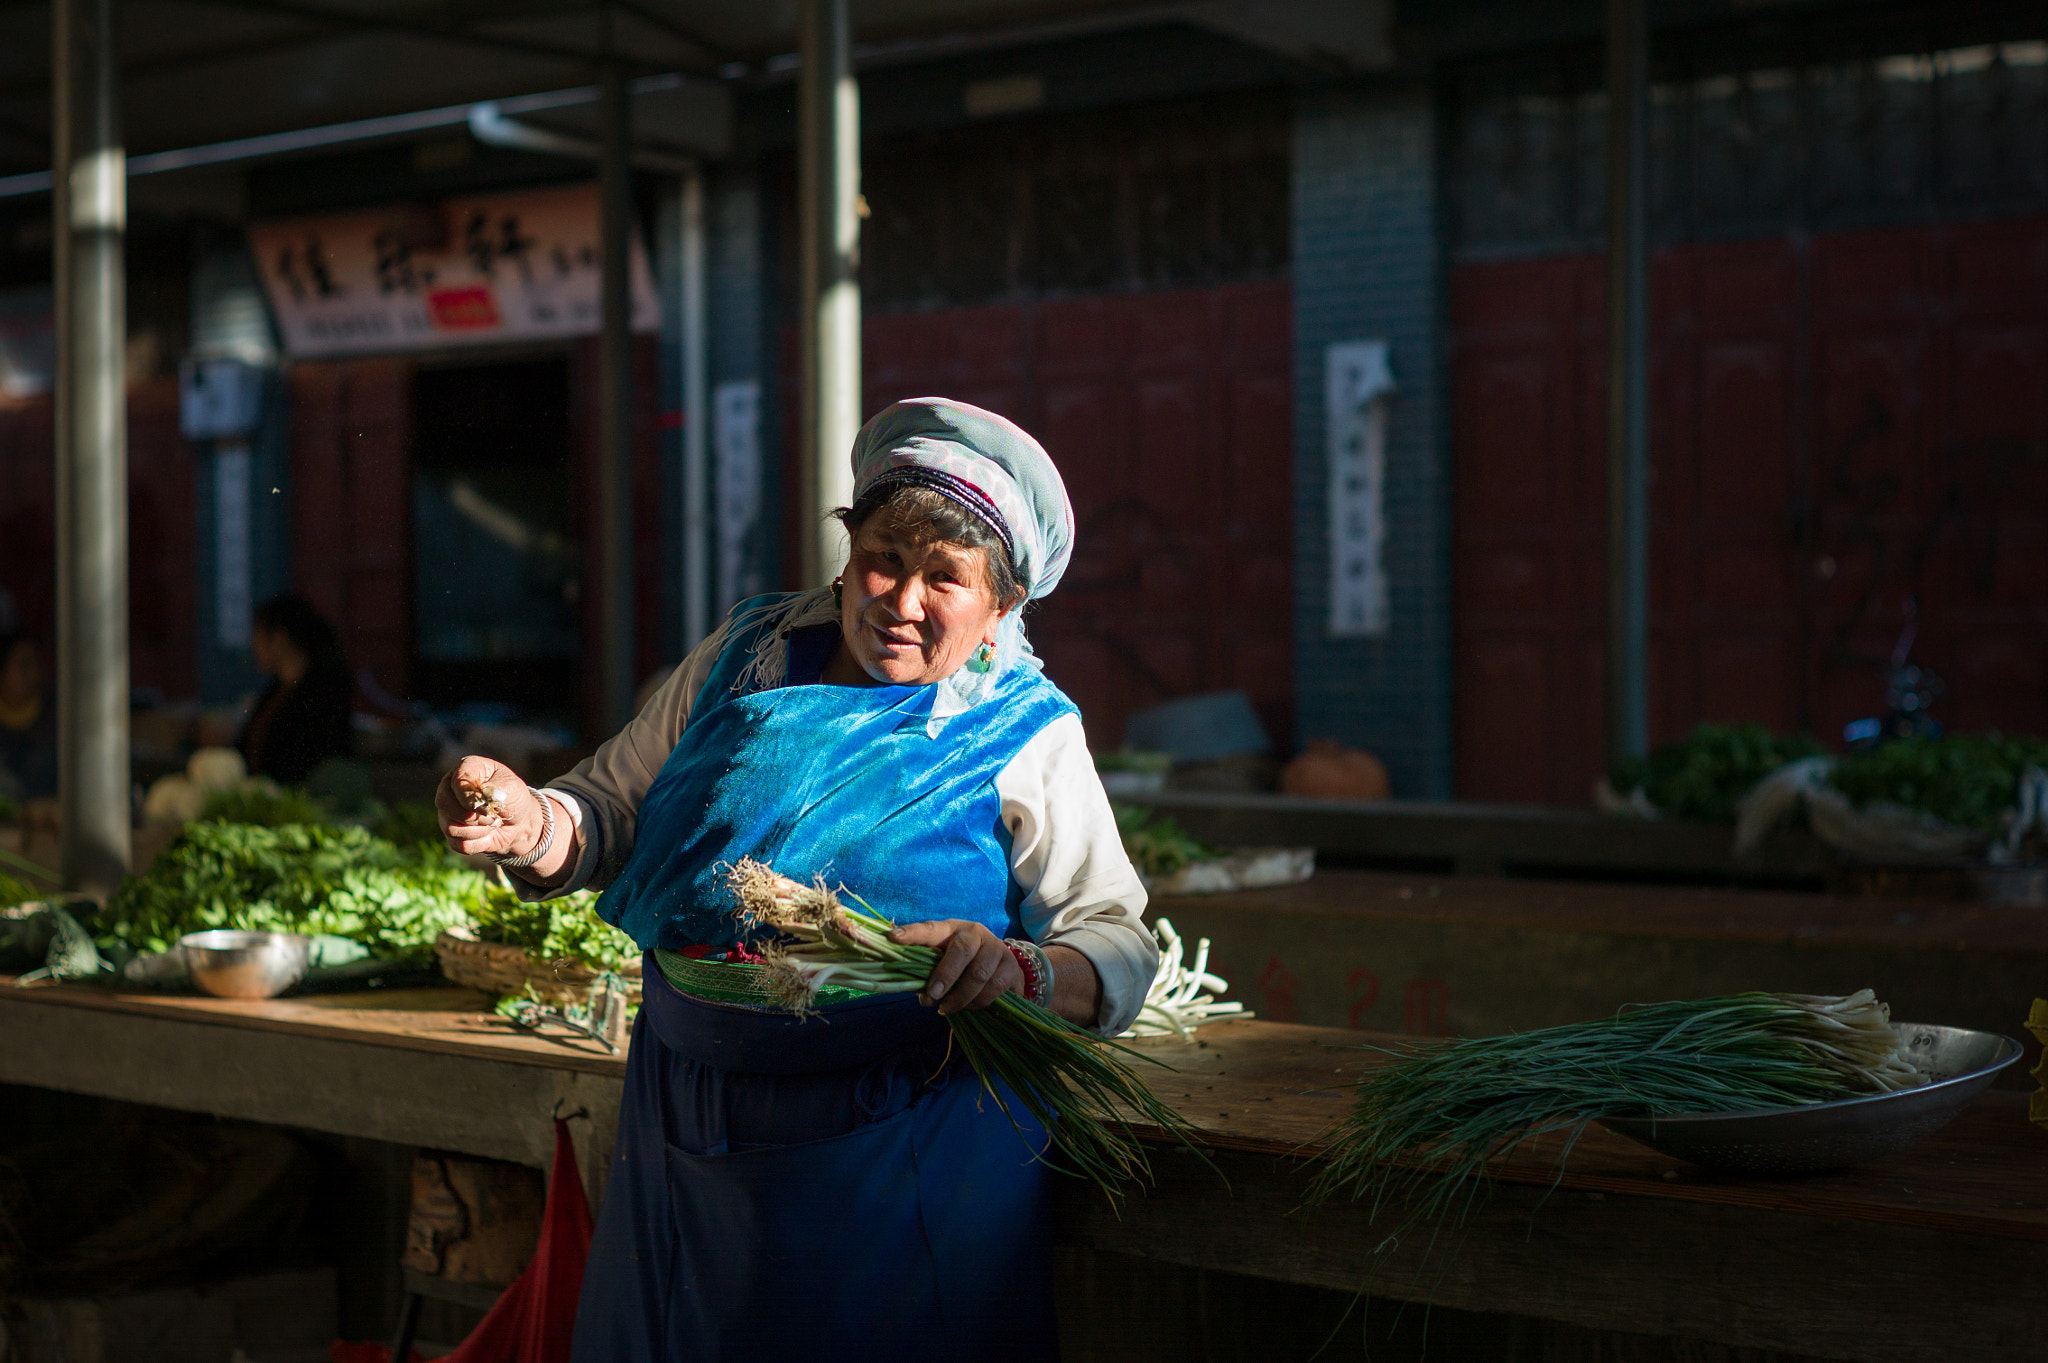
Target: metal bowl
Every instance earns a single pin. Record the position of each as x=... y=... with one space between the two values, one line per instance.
x=1818 y=1136
x=230 y=964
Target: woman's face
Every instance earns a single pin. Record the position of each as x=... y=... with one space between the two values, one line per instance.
x=914 y=611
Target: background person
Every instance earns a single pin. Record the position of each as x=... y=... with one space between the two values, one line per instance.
x=28 y=721
x=302 y=718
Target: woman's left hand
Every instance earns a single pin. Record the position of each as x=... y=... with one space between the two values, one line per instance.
x=974 y=970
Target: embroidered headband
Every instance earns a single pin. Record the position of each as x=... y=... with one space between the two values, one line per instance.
x=954 y=489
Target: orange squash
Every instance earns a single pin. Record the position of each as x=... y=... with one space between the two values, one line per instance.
x=1330 y=771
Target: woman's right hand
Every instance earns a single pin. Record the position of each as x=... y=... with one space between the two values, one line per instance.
x=486 y=808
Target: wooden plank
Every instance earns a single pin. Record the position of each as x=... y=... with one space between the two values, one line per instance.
x=452 y=1085
x=1267 y=1088
x=1678 y=912
x=1434 y=954
x=445 y=1021
x=1735 y=1275
x=437 y=1072
x=1487 y=839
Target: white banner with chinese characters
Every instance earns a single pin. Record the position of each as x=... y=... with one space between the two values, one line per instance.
x=1356 y=384
x=494 y=267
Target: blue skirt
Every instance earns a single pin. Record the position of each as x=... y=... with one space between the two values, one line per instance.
x=800 y=1189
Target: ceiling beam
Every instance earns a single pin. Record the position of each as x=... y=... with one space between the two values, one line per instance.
x=453 y=33
x=647 y=14
x=324 y=22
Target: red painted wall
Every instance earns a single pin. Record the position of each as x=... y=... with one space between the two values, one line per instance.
x=1837 y=426
x=1170 y=415
x=351 y=434
x=160 y=530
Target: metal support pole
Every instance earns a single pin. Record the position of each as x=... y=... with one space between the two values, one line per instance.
x=615 y=403
x=1628 y=407
x=91 y=213
x=828 y=209
x=696 y=419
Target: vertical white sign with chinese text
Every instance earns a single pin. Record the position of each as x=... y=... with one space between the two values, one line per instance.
x=233 y=552
x=1356 y=384
x=736 y=436
x=495 y=267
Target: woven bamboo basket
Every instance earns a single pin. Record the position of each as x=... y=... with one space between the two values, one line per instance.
x=497 y=968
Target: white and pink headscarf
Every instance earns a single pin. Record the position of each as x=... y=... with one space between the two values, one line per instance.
x=990 y=465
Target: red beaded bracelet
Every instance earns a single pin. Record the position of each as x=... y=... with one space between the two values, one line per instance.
x=1037 y=970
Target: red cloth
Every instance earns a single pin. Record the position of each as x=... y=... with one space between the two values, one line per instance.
x=535 y=1319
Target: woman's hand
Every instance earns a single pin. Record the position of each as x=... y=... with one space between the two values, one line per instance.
x=975 y=969
x=486 y=809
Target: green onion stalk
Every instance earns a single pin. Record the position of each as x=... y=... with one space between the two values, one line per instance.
x=1425 y=1127
x=1071 y=1082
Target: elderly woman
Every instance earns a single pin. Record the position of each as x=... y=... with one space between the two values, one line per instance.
x=838 y=1186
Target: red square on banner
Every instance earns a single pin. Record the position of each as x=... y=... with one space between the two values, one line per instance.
x=466 y=309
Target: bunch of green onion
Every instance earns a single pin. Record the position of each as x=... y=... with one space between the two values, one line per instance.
x=1426 y=1126
x=1072 y=1083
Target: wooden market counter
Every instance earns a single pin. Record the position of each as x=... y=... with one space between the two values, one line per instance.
x=1940 y=1252
x=1477 y=956
x=1461 y=837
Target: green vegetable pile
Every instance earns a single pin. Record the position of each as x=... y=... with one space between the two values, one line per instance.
x=1969 y=780
x=310 y=878
x=342 y=881
x=1425 y=1126
x=13 y=889
x=1133 y=759
x=1157 y=846
x=1704 y=774
x=554 y=930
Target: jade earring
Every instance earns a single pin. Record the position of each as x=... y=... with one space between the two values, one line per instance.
x=984 y=659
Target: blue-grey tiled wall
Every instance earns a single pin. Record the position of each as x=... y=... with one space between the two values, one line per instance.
x=1367 y=265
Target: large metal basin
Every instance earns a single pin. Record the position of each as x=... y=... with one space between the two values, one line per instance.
x=1818 y=1136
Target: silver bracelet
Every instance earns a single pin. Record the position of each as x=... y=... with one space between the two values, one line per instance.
x=547 y=838
x=1042 y=996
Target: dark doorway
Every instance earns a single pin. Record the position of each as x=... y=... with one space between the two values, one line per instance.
x=496 y=566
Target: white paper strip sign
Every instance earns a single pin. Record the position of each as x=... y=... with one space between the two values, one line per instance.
x=1356 y=383
x=233 y=569
x=495 y=267
x=736 y=434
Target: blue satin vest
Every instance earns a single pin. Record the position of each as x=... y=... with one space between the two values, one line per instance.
x=842 y=782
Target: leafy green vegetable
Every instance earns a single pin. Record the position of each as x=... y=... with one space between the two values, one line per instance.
x=259 y=802
x=1425 y=1126
x=1156 y=845
x=14 y=892
x=1704 y=774
x=1133 y=759
x=308 y=878
x=1965 y=779
x=557 y=929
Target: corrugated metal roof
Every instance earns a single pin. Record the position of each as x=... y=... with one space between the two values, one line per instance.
x=206 y=71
